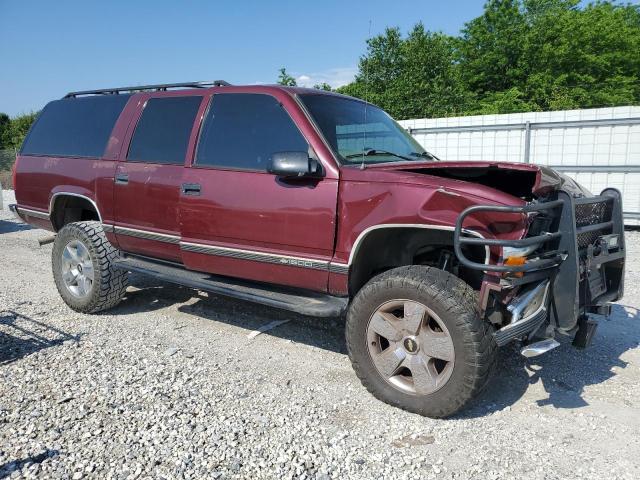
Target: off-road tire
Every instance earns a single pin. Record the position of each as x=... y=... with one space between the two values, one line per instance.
x=109 y=283
x=456 y=305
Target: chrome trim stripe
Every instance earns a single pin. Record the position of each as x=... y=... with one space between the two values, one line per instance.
x=255 y=256
x=146 y=234
x=107 y=228
x=33 y=213
x=340 y=268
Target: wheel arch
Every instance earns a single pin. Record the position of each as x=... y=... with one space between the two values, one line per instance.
x=66 y=207
x=397 y=245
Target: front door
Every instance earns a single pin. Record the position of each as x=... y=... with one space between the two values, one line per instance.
x=150 y=174
x=243 y=221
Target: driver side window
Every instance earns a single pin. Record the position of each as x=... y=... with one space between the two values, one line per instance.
x=241 y=131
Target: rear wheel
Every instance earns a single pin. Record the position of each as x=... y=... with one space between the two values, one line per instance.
x=416 y=341
x=82 y=260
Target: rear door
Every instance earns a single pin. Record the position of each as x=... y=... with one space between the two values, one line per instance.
x=149 y=176
x=244 y=221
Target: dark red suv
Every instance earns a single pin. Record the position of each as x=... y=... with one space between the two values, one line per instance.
x=322 y=204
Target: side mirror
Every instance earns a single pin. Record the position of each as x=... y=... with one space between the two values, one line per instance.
x=294 y=164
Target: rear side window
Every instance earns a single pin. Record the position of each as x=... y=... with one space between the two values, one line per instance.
x=243 y=130
x=163 y=131
x=75 y=127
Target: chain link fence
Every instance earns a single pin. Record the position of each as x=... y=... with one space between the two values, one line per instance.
x=7 y=159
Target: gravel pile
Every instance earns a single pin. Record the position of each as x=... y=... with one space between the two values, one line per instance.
x=168 y=385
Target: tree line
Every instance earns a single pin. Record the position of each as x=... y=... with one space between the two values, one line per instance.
x=517 y=56
x=12 y=133
x=13 y=130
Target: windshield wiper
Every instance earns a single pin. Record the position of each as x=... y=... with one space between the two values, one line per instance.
x=425 y=154
x=372 y=152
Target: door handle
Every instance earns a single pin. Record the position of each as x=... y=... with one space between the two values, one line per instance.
x=191 y=188
x=121 y=178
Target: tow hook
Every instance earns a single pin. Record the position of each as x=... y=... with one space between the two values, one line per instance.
x=46 y=240
x=538 y=348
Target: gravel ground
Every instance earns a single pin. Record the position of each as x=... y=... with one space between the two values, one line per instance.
x=168 y=385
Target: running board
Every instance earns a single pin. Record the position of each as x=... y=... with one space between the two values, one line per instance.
x=304 y=302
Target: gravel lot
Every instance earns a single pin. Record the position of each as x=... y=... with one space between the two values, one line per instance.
x=168 y=385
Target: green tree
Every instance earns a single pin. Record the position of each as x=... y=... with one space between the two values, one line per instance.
x=323 y=86
x=416 y=76
x=4 y=123
x=13 y=134
x=580 y=58
x=552 y=54
x=285 y=79
x=519 y=55
x=491 y=47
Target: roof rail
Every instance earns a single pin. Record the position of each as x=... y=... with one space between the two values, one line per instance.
x=141 y=88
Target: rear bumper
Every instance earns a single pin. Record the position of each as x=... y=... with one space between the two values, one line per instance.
x=13 y=208
x=28 y=214
x=581 y=260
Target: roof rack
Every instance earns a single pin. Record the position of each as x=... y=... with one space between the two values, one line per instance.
x=141 y=88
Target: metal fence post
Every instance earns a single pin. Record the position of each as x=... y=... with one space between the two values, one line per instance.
x=527 y=142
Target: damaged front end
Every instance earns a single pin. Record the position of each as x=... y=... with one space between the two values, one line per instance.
x=569 y=264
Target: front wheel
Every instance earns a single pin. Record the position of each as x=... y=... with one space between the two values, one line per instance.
x=416 y=341
x=83 y=270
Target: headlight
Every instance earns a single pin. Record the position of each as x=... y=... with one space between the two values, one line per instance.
x=517 y=256
x=519 y=251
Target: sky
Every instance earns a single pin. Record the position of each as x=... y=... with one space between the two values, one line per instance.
x=48 y=48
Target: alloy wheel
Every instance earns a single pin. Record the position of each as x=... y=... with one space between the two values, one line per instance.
x=77 y=269
x=410 y=347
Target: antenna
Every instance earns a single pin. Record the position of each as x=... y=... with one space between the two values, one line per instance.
x=366 y=104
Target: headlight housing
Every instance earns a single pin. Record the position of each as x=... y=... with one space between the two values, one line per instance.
x=519 y=251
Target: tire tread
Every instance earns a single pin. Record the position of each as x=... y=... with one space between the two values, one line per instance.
x=460 y=302
x=112 y=284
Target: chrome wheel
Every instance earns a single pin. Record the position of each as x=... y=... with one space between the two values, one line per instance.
x=77 y=269
x=410 y=347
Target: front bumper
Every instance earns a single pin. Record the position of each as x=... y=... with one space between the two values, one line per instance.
x=528 y=312
x=581 y=262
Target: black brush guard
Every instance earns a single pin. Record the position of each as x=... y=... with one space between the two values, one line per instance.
x=585 y=271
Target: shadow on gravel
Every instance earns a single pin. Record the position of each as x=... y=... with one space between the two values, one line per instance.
x=146 y=294
x=21 y=336
x=149 y=295
x=10 y=227
x=8 y=468
x=563 y=372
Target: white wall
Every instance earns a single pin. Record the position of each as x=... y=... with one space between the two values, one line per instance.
x=607 y=147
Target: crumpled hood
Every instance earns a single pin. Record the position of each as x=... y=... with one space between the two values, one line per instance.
x=518 y=179
x=552 y=180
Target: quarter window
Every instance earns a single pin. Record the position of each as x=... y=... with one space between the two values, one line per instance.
x=75 y=127
x=163 y=131
x=242 y=131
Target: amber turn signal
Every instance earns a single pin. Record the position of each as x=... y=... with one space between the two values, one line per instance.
x=517 y=261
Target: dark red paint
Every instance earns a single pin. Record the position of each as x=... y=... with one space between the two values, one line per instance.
x=317 y=219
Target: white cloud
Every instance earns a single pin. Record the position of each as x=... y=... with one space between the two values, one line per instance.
x=336 y=77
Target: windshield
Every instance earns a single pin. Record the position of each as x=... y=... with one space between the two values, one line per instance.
x=362 y=133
